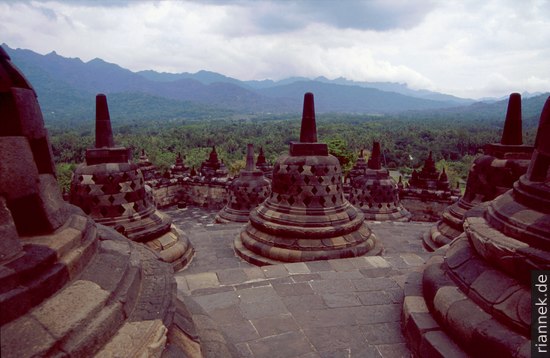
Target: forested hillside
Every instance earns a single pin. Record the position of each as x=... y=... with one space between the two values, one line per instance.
x=59 y=79
x=188 y=113
x=406 y=140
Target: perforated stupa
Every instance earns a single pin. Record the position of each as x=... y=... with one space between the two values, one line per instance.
x=306 y=216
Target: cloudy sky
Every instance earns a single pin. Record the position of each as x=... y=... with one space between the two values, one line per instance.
x=462 y=47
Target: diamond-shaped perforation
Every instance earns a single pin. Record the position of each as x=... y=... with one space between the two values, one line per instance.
x=300 y=169
x=314 y=190
x=334 y=199
x=327 y=189
x=320 y=180
x=307 y=201
x=322 y=201
x=306 y=179
x=291 y=200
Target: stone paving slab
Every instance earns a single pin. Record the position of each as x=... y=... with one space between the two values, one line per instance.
x=335 y=308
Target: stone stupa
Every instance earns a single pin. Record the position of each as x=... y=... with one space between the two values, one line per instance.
x=263 y=165
x=246 y=192
x=179 y=168
x=148 y=169
x=110 y=188
x=474 y=296
x=306 y=216
x=490 y=175
x=427 y=178
x=359 y=168
x=213 y=167
x=375 y=192
x=68 y=286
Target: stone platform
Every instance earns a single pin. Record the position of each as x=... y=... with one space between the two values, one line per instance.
x=336 y=308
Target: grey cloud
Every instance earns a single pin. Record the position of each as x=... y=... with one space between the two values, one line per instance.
x=89 y=3
x=377 y=15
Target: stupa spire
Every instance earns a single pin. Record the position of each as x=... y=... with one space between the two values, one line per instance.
x=103 y=130
x=443 y=176
x=250 y=158
x=308 y=132
x=261 y=157
x=374 y=161
x=511 y=134
x=540 y=162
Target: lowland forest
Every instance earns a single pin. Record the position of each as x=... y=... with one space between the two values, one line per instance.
x=166 y=114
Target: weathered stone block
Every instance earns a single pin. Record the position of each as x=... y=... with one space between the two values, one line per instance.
x=29 y=116
x=437 y=344
x=37 y=340
x=71 y=308
x=9 y=239
x=18 y=172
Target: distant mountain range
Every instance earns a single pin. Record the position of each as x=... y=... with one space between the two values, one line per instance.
x=66 y=88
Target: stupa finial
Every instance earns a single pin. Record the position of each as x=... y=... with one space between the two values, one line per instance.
x=103 y=130
x=540 y=162
x=374 y=161
x=250 y=158
x=308 y=132
x=511 y=135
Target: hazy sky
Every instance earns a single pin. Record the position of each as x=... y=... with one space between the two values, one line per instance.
x=466 y=48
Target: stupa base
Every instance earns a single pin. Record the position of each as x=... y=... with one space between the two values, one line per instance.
x=399 y=215
x=173 y=247
x=228 y=215
x=261 y=254
x=491 y=319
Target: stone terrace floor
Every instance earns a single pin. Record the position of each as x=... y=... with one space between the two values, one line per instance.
x=335 y=308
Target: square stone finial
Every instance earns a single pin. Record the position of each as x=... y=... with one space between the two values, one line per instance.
x=103 y=130
x=308 y=132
